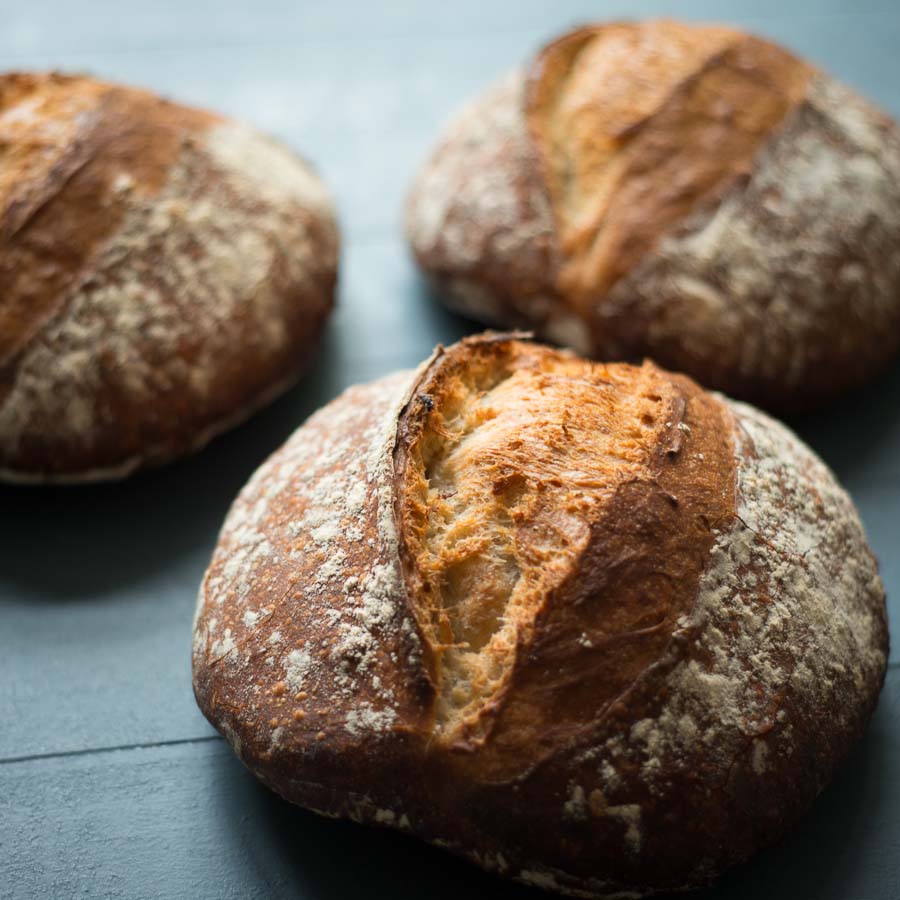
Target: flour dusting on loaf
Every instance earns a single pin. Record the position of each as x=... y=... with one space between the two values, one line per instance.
x=817 y=308
x=483 y=177
x=586 y=625
x=689 y=193
x=765 y=621
x=332 y=627
x=189 y=313
x=267 y=168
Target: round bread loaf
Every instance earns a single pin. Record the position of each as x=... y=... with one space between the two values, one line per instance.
x=689 y=193
x=163 y=273
x=586 y=625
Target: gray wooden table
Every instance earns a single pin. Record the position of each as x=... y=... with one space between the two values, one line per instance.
x=111 y=782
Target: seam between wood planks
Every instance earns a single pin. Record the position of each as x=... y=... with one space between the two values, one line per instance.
x=87 y=751
x=205 y=739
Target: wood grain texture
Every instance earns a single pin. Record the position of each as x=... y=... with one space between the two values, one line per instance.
x=97 y=587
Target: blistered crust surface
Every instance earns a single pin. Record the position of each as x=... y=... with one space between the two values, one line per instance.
x=200 y=266
x=512 y=453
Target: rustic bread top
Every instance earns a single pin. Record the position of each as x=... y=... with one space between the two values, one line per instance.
x=524 y=489
x=160 y=269
x=621 y=629
x=637 y=125
x=692 y=193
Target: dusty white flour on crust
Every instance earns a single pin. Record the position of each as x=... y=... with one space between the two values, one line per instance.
x=179 y=289
x=455 y=190
x=310 y=545
x=784 y=645
x=265 y=166
x=797 y=266
x=561 y=882
x=127 y=466
x=480 y=217
x=793 y=270
x=786 y=609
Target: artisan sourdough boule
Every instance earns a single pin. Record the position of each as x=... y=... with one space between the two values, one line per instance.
x=586 y=625
x=689 y=193
x=163 y=272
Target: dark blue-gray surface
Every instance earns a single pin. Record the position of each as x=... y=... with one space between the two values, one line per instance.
x=111 y=783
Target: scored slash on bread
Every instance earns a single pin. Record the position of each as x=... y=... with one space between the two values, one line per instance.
x=586 y=625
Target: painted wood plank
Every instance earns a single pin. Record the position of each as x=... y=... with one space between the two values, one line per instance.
x=859 y=438
x=97 y=586
x=187 y=821
x=110 y=26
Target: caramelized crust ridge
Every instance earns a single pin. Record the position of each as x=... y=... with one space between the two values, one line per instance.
x=637 y=125
x=514 y=456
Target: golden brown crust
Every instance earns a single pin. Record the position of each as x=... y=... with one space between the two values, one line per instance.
x=690 y=193
x=287 y=670
x=639 y=125
x=123 y=329
x=658 y=607
x=513 y=462
x=65 y=142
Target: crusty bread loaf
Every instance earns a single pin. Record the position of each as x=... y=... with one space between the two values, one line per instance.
x=163 y=272
x=689 y=193
x=589 y=626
